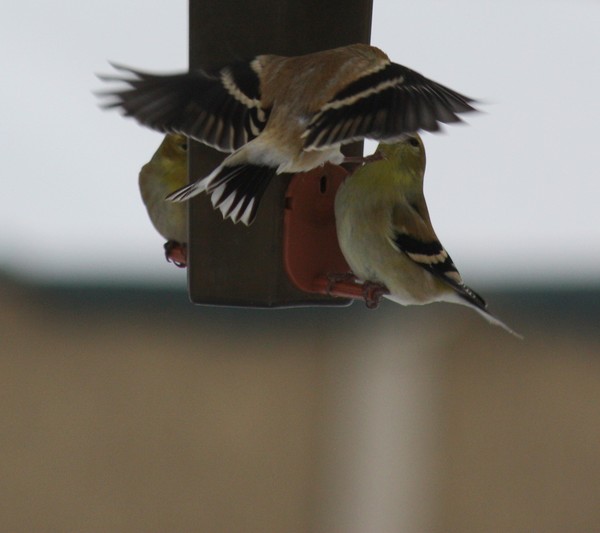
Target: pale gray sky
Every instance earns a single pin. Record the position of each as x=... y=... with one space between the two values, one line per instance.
x=514 y=196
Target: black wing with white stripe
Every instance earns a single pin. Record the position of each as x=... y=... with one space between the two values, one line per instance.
x=384 y=105
x=433 y=257
x=221 y=110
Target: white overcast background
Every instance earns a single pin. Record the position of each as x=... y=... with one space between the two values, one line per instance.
x=514 y=196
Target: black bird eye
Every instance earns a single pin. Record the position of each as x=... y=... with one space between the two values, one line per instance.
x=413 y=142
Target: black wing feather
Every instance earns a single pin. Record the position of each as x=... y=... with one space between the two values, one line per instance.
x=198 y=104
x=385 y=105
x=433 y=257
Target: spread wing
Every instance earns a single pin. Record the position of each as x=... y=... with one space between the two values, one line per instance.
x=222 y=110
x=384 y=105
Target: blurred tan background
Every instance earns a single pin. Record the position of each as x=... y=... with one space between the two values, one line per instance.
x=131 y=410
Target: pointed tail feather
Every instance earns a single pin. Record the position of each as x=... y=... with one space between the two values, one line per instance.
x=496 y=321
x=470 y=298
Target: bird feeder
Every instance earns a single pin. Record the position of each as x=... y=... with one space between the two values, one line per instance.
x=312 y=257
x=284 y=258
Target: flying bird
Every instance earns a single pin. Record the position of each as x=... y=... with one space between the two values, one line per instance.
x=163 y=174
x=277 y=114
x=386 y=236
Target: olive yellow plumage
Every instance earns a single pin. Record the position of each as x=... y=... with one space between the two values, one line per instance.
x=163 y=174
x=385 y=232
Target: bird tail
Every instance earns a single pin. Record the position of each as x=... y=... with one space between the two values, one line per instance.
x=236 y=190
x=492 y=319
x=471 y=299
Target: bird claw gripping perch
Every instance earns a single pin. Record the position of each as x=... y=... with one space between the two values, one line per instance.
x=373 y=292
x=176 y=253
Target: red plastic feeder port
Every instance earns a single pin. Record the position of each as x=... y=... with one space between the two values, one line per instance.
x=312 y=256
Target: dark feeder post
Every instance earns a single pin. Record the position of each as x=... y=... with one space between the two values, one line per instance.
x=231 y=264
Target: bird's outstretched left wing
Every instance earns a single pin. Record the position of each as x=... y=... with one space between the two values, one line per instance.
x=383 y=105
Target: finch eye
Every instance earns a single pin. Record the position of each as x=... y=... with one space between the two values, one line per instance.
x=413 y=142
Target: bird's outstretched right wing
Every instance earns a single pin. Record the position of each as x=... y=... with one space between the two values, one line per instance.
x=221 y=110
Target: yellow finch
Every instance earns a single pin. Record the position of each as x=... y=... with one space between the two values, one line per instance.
x=386 y=236
x=164 y=173
x=284 y=114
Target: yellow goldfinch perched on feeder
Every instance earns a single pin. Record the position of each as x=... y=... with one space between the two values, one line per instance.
x=284 y=114
x=163 y=174
x=386 y=236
